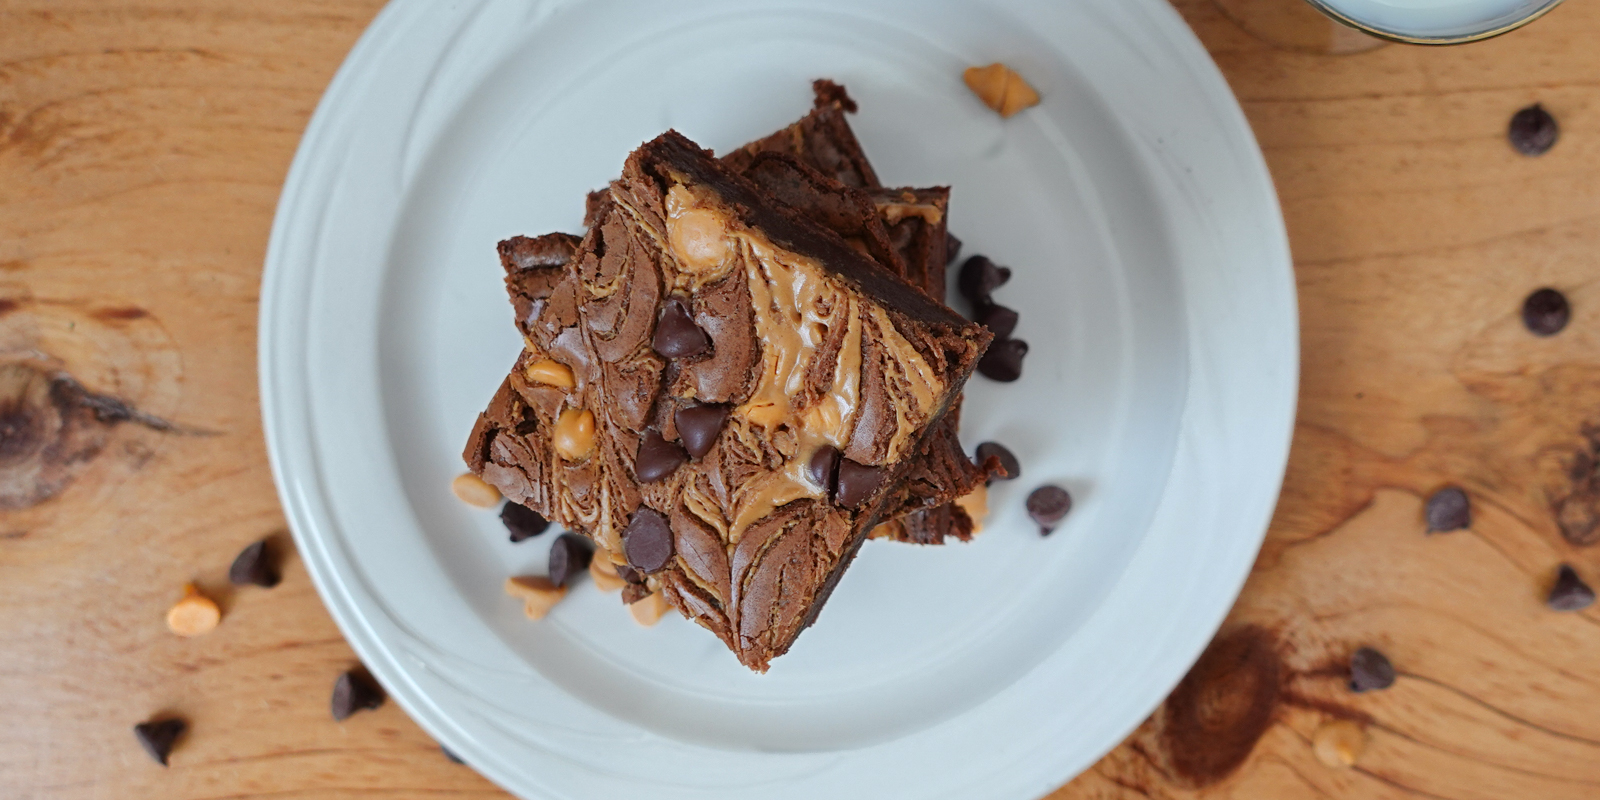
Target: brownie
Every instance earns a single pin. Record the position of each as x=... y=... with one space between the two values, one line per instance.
x=774 y=382
x=821 y=139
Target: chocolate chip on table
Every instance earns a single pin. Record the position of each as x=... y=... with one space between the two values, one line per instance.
x=1048 y=505
x=647 y=541
x=254 y=565
x=1008 y=460
x=856 y=483
x=1003 y=361
x=1546 y=312
x=952 y=247
x=158 y=736
x=1448 y=510
x=676 y=334
x=1000 y=321
x=699 y=426
x=979 y=278
x=353 y=692
x=1533 y=131
x=824 y=468
x=657 y=458
x=569 y=556
x=1570 y=593
x=1370 y=671
x=448 y=753
x=521 y=522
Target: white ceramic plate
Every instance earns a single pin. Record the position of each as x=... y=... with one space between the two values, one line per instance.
x=1153 y=281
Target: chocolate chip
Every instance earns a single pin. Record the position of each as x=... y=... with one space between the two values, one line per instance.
x=856 y=482
x=699 y=426
x=1003 y=361
x=980 y=277
x=634 y=592
x=629 y=574
x=522 y=522
x=657 y=458
x=1533 y=131
x=824 y=468
x=647 y=541
x=254 y=565
x=352 y=692
x=676 y=334
x=1047 y=505
x=952 y=247
x=1008 y=460
x=569 y=556
x=1546 y=312
x=1448 y=510
x=454 y=759
x=1000 y=321
x=158 y=736
x=1370 y=671
x=1570 y=592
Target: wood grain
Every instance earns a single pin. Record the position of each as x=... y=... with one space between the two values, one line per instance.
x=142 y=148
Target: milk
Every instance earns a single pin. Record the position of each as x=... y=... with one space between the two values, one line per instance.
x=1437 y=19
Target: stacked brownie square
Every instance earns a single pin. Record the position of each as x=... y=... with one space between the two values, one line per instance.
x=738 y=374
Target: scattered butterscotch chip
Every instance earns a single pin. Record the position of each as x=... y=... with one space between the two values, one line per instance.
x=649 y=609
x=158 y=736
x=475 y=491
x=194 y=614
x=352 y=692
x=1000 y=88
x=537 y=593
x=976 y=504
x=1339 y=743
x=605 y=574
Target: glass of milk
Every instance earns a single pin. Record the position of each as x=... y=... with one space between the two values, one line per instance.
x=1297 y=25
x=1435 y=21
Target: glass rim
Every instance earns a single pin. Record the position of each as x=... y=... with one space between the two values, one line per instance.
x=1406 y=38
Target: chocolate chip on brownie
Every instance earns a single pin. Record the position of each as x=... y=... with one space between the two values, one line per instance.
x=647 y=541
x=657 y=458
x=856 y=483
x=699 y=426
x=677 y=335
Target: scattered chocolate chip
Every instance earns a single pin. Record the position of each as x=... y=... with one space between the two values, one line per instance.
x=1000 y=321
x=158 y=736
x=676 y=334
x=952 y=247
x=980 y=277
x=1533 y=131
x=1008 y=460
x=1570 y=592
x=522 y=522
x=647 y=541
x=856 y=482
x=1448 y=510
x=629 y=574
x=569 y=556
x=454 y=759
x=1003 y=361
x=1048 y=505
x=699 y=426
x=1546 y=312
x=352 y=692
x=1370 y=671
x=634 y=592
x=254 y=565
x=657 y=458
x=824 y=468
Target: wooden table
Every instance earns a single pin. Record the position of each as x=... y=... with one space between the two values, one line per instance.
x=142 y=147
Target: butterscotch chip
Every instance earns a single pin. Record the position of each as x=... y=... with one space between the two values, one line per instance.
x=475 y=491
x=976 y=504
x=1000 y=88
x=537 y=593
x=605 y=574
x=1339 y=743
x=194 y=614
x=649 y=609
x=551 y=373
x=574 y=434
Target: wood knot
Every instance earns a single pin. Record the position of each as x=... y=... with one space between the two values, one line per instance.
x=1577 y=509
x=1212 y=721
